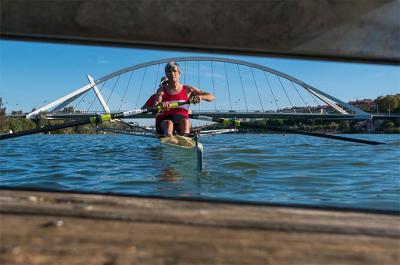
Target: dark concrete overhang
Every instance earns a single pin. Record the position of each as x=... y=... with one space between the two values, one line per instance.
x=352 y=30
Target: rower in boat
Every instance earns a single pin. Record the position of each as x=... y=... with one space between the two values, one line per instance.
x=172 y=123
x=169 y=140
x=172 y=120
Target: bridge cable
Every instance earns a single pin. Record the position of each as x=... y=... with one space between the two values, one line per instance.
x=258 y=92
x=272 y=92
x=94 y=97
x=286 y=94
x=298 y=93
x=112 y=90
x=157 y=79
x=316 y=101
x=227 y=84
x=213 y=85
x=184 y=76
x=198 y=80
x=81 y=99
x=85 y=94
x=241 y=82
x=126 y=88
x=141 y=86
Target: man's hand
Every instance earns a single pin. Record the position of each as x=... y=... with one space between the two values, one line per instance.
x=195 y=99
x=165 y=105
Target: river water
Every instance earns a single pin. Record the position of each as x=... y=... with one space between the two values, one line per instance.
x=268 y=168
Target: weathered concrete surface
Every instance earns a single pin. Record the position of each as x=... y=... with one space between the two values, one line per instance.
x=61 y=228
x=367 y=30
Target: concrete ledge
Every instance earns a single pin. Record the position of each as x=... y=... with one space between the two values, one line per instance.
x=356 y=30
x=68 y=228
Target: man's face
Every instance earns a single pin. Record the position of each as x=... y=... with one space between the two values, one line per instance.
x=172 y=73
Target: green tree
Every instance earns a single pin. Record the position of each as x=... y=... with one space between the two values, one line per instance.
x=3 y=119
x=389 y=103
x=41 y=119
x=2 y=110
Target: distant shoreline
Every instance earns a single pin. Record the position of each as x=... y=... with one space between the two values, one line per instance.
x=324 y=127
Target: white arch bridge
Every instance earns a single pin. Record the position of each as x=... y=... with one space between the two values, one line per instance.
x=241 y=89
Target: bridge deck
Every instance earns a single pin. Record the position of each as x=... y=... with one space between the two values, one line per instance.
x=67 y=228
x=232 y=114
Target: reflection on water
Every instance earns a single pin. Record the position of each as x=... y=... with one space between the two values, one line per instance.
x=262 y=168
x=169 y=174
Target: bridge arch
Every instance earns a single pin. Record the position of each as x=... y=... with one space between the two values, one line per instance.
x=284 y=84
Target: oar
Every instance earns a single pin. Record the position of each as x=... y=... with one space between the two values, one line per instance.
x=96 y=119
x=236 y=122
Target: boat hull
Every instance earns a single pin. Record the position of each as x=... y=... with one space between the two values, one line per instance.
x=187 y=145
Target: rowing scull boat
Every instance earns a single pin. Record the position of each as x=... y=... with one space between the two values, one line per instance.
x=190 y=144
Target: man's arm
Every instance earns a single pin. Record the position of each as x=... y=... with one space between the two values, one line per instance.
x=197 y=95
x=158 y=99
x=150 y=102
x=159 y=95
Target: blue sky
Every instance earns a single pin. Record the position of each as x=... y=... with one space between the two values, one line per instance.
x=32 y=74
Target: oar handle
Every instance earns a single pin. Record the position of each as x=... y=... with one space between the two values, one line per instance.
x=174 y=104
x=159 y=107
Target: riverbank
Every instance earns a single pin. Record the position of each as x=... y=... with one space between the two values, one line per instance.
x=331 y=127
x=22 y=124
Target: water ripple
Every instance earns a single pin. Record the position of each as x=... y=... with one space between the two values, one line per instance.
x=263 y=168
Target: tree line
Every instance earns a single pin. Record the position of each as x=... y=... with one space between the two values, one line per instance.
x=386 y=104
x=320 y=126
x=17 y=124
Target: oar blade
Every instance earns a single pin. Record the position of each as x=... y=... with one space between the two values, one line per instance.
x=322 y=135
x=42 y=130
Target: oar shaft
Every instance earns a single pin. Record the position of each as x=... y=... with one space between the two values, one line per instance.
x=236 y=122
x=43 y=130
x=94 y=120
x=322 y=135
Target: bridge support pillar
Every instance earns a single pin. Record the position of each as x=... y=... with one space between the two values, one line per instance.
x=370 y=125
